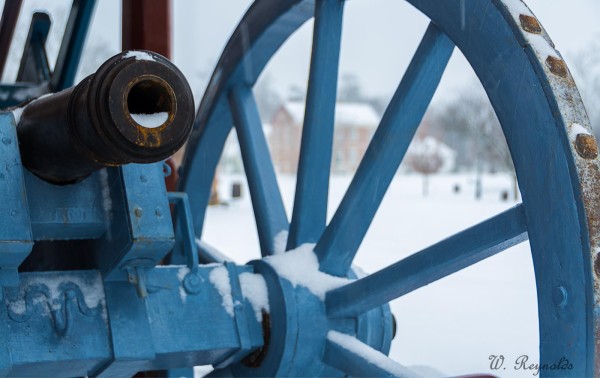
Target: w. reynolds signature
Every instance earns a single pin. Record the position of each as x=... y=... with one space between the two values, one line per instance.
x=499 y=362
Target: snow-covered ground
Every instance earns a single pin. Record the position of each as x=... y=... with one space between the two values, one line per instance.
x=452 y=326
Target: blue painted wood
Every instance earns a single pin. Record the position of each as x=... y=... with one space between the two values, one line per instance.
x=73 y=324
x=312 y=184
x=67 y=62
x=130 y=336
x=205 y=147
x=5 y=358
x=355 y=364
x=141 y=230
x=266 y=198
x=431 y=264
x=198 y=186
x=376 y=328
x=283 y=332
x=16 y=238
x=347 y=228
x=193 y=326
x=207 y=254
x=252 y=45
x=524 y=95
x=34 y=66
x=184 y=220
x=57 y=324
x=14 y=94
x=264 y=35
x=536 y=136
x=243 y=319
x=66 y=212
x=297 y=332
x=72 y=44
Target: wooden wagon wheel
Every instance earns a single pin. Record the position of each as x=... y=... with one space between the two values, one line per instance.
x=548 y=134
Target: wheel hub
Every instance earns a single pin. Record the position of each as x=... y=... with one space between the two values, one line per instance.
x=297 y=326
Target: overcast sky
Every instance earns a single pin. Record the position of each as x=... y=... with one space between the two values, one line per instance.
x=379 y=39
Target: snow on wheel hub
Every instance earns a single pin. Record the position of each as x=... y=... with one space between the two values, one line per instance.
x=298 y=324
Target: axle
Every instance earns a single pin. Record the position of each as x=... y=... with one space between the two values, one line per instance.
x=137 y=108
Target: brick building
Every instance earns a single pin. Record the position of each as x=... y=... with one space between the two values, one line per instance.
x=355 y=124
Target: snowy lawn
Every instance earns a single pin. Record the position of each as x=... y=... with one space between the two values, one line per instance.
x=452 y=326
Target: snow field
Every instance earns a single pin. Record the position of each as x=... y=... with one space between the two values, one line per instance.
x=366 y=352
x=450 y=327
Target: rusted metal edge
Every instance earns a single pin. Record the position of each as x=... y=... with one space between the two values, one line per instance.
x=579 y=137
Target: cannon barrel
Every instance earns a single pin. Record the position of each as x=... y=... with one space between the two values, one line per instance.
x=137 y=108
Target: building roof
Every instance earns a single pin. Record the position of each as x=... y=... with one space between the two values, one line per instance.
x=430 y=145
x=346 y=113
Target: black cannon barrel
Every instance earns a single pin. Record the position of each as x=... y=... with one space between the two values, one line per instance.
x=137 y=108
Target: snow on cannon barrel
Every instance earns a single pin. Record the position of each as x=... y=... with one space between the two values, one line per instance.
x=137 y=108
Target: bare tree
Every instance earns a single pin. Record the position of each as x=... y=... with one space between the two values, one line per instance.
x=296 y=93
x=585 y=68
x=350 y=89
x=58 y=12
x=469 y=125
x=268 y=101
x=425 y=157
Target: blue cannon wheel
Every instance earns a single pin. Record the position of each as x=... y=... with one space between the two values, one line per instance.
x=548 y=134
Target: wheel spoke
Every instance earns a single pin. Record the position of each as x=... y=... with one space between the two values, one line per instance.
x=437 y=261
x=71 y=47
x=343 y=235
x=264 y=190
x=357 y=359
x=207 y=254
x=198 y=173
x=310 y=204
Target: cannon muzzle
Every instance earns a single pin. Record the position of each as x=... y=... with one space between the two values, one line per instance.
x=137 y=108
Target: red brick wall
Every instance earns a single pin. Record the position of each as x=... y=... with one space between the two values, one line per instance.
x=284 y=142
x=350 y=144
